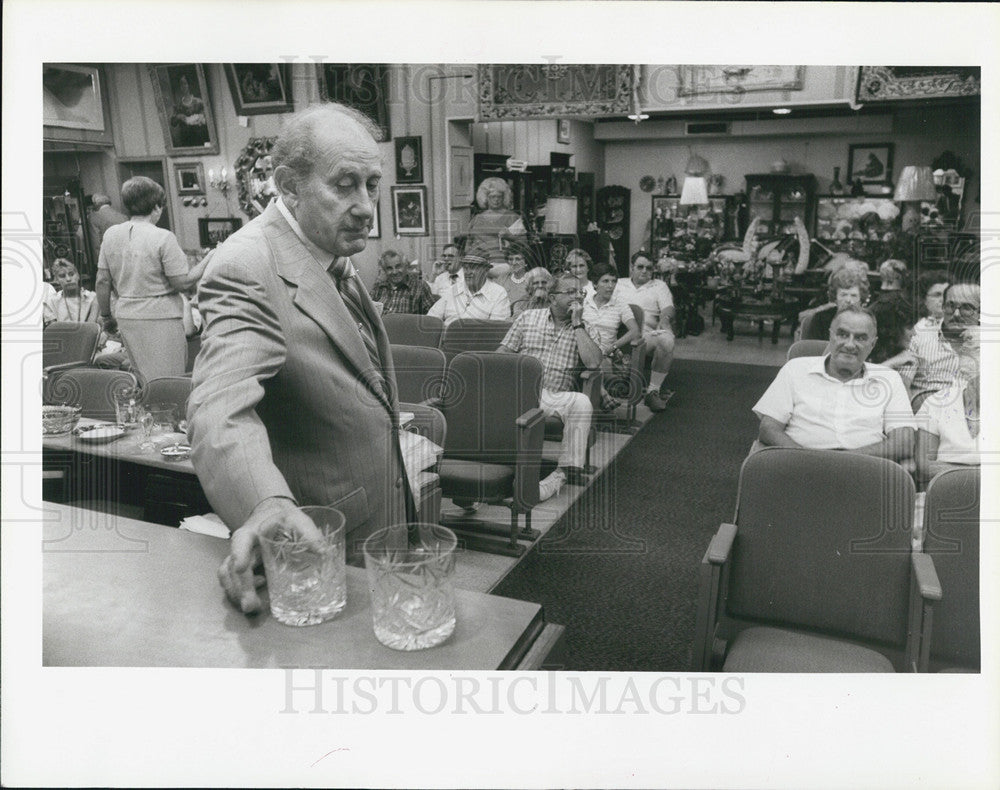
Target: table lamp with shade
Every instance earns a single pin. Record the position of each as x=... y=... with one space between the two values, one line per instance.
x=916 y=184
x=694 y=192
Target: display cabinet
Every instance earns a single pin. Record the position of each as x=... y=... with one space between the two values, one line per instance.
x=669 y=221
x=778 y=198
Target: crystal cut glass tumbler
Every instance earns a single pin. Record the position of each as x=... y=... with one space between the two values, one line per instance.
x=412 y=589
x=306 y=586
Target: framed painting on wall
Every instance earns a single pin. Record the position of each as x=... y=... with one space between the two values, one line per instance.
x=409 y=211
x=185 y=110
x=409 y=160
x=260 y=88
x=71 y=97
x=189 y=178
x=363 y=86
x=700 y=80
x=563 y=131
x=212 y=231
x=870 y=163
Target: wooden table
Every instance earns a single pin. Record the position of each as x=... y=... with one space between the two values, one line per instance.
x=124 y=593
x=759 y=311
x=166 y=490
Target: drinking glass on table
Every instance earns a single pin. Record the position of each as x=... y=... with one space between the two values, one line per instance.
x=127 y=407
x=146 y=421
x=164 y=417
x=306 y=586
x=413 y=596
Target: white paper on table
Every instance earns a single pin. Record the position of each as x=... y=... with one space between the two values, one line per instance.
x=209 y=524
x=419 y=453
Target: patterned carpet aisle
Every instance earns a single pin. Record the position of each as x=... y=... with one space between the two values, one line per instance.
x=619 y=569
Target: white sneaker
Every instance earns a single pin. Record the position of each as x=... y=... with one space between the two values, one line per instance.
x=550 y=486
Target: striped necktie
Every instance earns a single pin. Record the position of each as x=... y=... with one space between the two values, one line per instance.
x=347 y=285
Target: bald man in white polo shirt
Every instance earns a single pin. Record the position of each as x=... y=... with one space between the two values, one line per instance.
x=839 y=401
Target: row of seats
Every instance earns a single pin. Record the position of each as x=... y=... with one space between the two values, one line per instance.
x=821 y=577
x=423 y=331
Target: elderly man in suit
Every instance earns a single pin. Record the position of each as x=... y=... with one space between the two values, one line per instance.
x=294 y=399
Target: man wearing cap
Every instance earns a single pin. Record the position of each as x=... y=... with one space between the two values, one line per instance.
x=474 y=296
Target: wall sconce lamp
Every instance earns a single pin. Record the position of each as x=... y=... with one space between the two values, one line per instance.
x=219 y=181
x=916 y=184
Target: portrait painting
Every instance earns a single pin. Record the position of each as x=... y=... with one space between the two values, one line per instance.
x=184 y=108
x=260 y=88
x=409 y=211
x=409 y=160
x=363 y=86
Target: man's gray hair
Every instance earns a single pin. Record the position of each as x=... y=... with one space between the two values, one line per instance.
x=856 y=310
x=388 y=256
x=296 y=145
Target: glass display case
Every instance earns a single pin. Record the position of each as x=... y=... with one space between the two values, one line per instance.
x=778 y=198
x=673 y=227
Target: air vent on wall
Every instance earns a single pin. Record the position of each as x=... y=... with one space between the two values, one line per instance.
x=707 y=127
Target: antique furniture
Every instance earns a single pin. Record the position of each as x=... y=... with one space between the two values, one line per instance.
x=778 y=198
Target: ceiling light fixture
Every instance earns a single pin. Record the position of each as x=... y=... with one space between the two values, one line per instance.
x=781 y=111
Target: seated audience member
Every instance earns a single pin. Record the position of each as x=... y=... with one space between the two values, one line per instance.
x=603 y=316
x=937 y=362
x=847 y=285
x=72 y=302
x=447 y=269
x=654 y=297
x=474 y=296
x=515 y=280
x=558 y=338
x=839 y=401
x=895 y=317
x=579 y=264
x=539 y=283
x=948 y=427
x=397 y=289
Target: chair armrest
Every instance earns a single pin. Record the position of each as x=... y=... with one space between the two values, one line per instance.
x=527 y=469
x=50 y=369
x=721 y=545
x=926 y=576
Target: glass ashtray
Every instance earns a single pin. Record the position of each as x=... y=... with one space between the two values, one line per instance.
x=176 y=452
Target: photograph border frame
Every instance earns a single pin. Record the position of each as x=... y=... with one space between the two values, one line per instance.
x=418 y=174
x=397 y=192
x=92 y=124
x=886 y=179
x=180 y=167
x=212 y=146
x=235 y=223
x=261 y=108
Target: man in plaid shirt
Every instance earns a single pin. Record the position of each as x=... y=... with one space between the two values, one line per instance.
x=398 y=290
x=557 y=337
